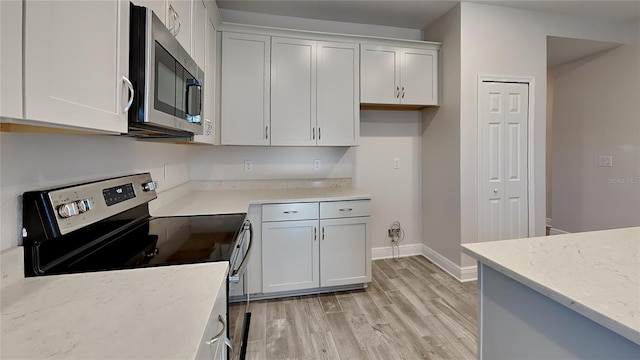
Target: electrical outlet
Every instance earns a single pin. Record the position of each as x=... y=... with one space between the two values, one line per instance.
x=394 y=234
x=605 y=160
x=248 y=166
x=396 y=163
x=316 y=165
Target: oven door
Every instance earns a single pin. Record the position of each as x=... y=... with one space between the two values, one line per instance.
x=241 y=253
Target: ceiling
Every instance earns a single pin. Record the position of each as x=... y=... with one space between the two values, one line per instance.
x=419 y=14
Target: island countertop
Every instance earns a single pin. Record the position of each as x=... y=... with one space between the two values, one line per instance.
x=596 y=274
x=155 y=312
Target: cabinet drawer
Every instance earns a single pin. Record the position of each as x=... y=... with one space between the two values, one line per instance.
x=293 y=211
x=343 y=209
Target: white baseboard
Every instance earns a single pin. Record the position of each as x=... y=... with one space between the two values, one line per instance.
x=548 y=222
x=555 y=231
x=386 y=252
x=461 y=273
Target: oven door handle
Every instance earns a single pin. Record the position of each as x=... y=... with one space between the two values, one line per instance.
x=235 y=274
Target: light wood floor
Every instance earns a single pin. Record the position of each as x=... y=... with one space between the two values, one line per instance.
x=411 y=310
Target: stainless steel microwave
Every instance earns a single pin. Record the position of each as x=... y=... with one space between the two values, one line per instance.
x=166 y=81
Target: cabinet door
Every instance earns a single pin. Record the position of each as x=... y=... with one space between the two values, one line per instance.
x=245 y=89
x=217 y=325
x=11 y=59
x=345 y=251
x=419 y=77
x=338 y=91
x=179 y=21
x=200 y=21
x=210 y=94
x=290 y=255
x=380 y=74
x=76 y=54
x=293 y=92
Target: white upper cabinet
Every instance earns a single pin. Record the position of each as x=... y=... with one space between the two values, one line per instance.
x=393 y=75
x=76 y=60
x=210 y=93
x=293 y=92
x=200 y=20
x=11 y=59
x=245 y=92
x=179 y=20
x=338 y=103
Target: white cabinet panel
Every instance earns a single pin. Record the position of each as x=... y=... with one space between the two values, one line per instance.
x=345 y=251
x=217 y=324
x=293 y=92
x=419 y=77
x=245 y=89
x=290 y=255
x=68 y=86
x=179 y=20
x=210 y=93
x=380 y=74
x=11 y=59
x=338 y=104
x=200 y=21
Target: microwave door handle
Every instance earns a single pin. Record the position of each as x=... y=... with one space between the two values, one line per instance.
x=190 y=105
x=236 y=273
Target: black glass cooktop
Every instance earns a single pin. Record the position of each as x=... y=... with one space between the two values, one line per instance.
x=157 y=241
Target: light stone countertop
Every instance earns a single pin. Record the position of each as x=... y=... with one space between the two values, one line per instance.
x=596 y=274
x=155 y=313
x=198 y=200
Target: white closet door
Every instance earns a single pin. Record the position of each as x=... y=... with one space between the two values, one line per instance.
x=503 y=161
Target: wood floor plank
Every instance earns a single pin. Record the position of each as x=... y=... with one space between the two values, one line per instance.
x=324 y=348
x=277 y=346
x=258 y=327
x=410 y=314
x=377 y=294
x=275 y=309
x=298 y=338
x=313 y=312
x=329 y=303
x=344 y=338
x=411 y=344
x=387 y=269
x=365 y=332
x=380 y=277
x=256 y=350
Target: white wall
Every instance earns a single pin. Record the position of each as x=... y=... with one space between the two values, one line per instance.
x=502 y=41
x=597 y=112
x=385 y=135
x=549 y=145
x=441 y=146
x=36 y=161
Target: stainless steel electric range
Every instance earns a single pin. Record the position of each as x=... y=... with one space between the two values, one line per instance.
x=105 y=225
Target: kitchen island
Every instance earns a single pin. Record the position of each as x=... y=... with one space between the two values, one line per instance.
x=156 y=312
x=573 y=296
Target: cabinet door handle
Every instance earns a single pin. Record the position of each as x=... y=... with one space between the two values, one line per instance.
x=291 y=212
x=315 y=234
x=346 y=209
x=132 y=94
x=172 y=16
x=403 y=92
x=266 y=132
x=319 y=134
x=313 y=134
x=397 y=92
x=217 y=336
x=323 y=233
x=179 y=24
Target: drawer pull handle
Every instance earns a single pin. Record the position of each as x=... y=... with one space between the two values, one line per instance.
x=219 y=334
x=346 y=209
x=291 y=212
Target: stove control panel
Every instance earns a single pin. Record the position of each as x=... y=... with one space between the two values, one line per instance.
x=80 y=205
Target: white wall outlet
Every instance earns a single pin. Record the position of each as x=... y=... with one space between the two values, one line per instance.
x=248 y=166
x=605 y=160
x=396 y=163
x=316 y=164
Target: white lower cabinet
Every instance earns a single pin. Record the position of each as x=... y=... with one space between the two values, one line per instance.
x=314 y=245
x=212 y=345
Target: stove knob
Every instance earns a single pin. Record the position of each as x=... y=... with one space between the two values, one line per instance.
x=150 y=186
x=84 y=205
x=68 y=210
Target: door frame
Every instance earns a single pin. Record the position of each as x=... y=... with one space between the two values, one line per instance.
x=530 y=81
